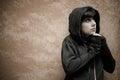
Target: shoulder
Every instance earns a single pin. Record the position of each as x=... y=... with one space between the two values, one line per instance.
x=69 y=41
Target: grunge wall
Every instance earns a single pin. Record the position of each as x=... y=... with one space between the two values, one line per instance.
x=32 y=31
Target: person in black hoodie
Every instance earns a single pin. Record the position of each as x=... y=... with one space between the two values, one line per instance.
x=85 y=53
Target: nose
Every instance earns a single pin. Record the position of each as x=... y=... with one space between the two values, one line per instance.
x=93 y=23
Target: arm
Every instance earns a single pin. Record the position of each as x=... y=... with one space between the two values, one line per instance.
x=73 y=63
x=108 y=60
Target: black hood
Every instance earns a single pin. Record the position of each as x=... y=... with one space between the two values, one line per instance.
x=75 y=20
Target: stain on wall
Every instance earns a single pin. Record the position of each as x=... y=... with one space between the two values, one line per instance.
x=32 y=31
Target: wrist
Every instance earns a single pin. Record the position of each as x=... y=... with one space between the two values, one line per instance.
x=94 y=39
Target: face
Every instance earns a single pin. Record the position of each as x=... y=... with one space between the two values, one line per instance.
x=88 y=26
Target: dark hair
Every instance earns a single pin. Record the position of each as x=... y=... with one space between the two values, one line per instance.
x=77 y=16
x=90 y=13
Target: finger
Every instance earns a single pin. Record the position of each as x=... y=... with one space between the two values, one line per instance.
x=96 y=34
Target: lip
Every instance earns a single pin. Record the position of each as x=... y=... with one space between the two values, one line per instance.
x=93 y=29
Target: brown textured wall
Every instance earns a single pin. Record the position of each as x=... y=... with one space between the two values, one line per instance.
x=31 y=34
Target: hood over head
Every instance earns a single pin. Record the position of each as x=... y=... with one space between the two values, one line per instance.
x=77 y=16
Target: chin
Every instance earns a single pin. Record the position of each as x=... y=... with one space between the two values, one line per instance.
x=92 y=33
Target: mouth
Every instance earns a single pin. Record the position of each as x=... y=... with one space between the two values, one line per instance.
x=93 y=29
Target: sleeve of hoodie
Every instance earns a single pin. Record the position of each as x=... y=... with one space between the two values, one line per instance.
x=73 y=63
x=108 y=60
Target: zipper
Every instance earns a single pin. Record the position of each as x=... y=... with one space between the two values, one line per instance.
x=94 y=71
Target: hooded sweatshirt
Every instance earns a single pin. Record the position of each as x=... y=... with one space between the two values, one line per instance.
x=85 y=58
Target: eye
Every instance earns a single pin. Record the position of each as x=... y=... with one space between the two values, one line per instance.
x=87 y=19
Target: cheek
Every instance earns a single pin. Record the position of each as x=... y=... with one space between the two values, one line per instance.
x=85 y=27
